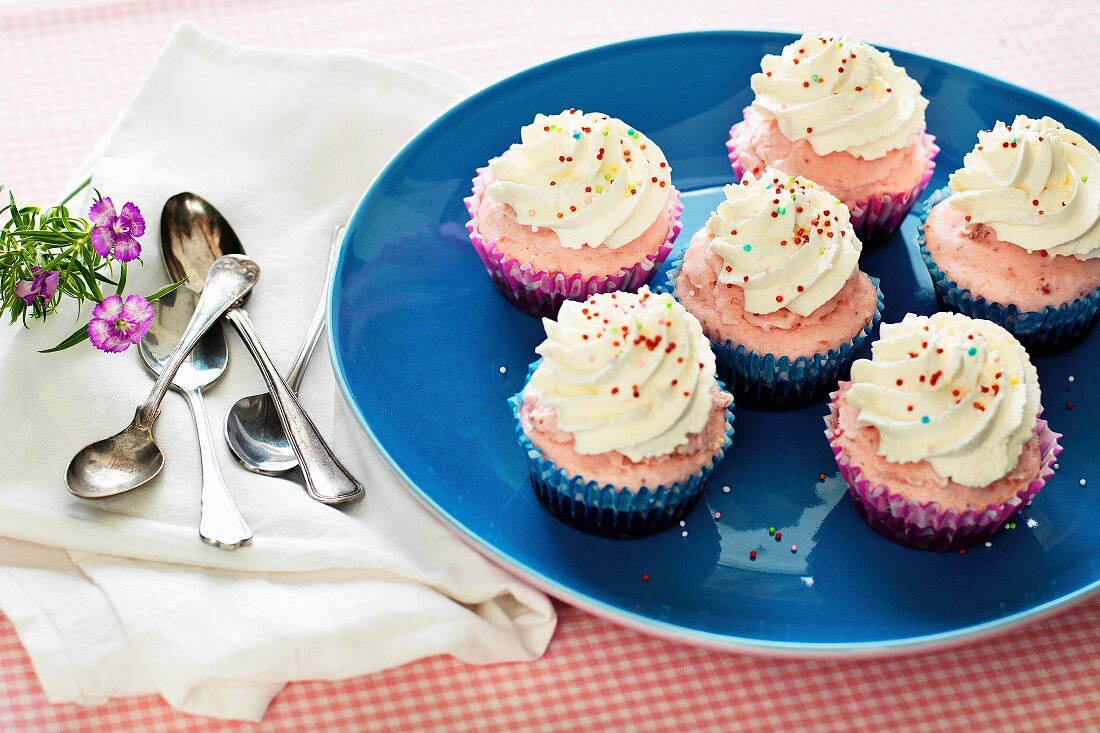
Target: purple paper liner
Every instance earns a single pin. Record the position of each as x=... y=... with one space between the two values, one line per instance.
x=926 y=526
x=542 y=293
x=874 y=218
x=604 y=509
x=1042 y=332
x=770 y=382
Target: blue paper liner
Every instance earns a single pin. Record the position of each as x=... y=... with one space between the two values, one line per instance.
x=604 y=509
x=770 y=382
x=1042 y=332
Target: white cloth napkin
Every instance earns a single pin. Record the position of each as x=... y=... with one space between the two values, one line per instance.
x=126 y=599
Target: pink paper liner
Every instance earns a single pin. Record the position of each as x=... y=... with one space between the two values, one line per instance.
x=874 y=218
x=542 y=293
x=926 y=526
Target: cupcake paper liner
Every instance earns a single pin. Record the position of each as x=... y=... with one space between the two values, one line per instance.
x=770 y=382
x=874 y=218
x=542 y=293
x=604 y=509
x=926 y=526
x=1049 y=330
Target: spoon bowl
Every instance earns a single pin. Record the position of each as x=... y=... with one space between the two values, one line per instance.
x=256 y=437
x=207 y=361
x=192 y=235
x=115 y=465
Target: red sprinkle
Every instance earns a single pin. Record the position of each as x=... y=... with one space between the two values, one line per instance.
x=752 y=554
x=645 y=577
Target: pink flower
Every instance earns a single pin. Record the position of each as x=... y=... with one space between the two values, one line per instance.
x=116 y=232
x=116 y=324
x=42 y=285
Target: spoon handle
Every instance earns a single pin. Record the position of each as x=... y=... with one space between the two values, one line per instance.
x=317 y=325
x=220 y=523
x=230 y=278
x=327 y=480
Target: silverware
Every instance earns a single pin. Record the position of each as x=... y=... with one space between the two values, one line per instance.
x=192 y=234
x=253 y=429
x=131 y=458
x=220 y=523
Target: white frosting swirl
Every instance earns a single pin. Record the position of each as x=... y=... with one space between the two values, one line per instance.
x=785 y=241
x=840 y=94
x=590 y=178
x=626 y=372
x=955 y=391
x=1036 y=184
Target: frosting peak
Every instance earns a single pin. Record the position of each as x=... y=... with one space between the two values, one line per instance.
x=626 y=372
x=590 y=178
x=958 y=392
x=840 y=94
x=785 y=241
x=1036 y=184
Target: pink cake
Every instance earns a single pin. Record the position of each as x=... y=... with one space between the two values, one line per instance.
x=939 y=436
x=759 y=142
x=583 y=204
x=540 y=424
x=622 y=420
x=721 y=310
x=841 y=113
x=496 y=222
x=973 y=257
x=918 y=481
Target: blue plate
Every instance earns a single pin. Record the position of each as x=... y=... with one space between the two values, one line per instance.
x=419 y=335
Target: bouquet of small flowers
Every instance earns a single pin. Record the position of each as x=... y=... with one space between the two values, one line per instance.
x=49 y=255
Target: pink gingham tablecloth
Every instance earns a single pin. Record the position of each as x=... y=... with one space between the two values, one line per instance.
x=1045 y=676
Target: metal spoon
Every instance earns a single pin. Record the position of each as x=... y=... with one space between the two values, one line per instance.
x=252 y=427
x=131 y=458
x=220 y=523
x=192 y=234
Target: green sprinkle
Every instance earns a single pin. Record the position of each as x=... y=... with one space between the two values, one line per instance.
x=972 y=351
x=821 y=250
x=605 y=132
x=813 y=77
x=840 y=44
x=771 y=530
x=668 y=304
x=1084 y=179
x=747 y=248
x=607 y=176
x=925 y=419
x=599 y=189
x=782 y=211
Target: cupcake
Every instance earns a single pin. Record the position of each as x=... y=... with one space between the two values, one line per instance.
x=840 y=112
x=774 y=280
x=584 y=204
x=939 y=435
x=1015 y=237
x=622 y=419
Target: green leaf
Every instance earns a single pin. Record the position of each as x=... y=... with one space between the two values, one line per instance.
x=78 y=335
x=165 y=290
x=121 y=280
